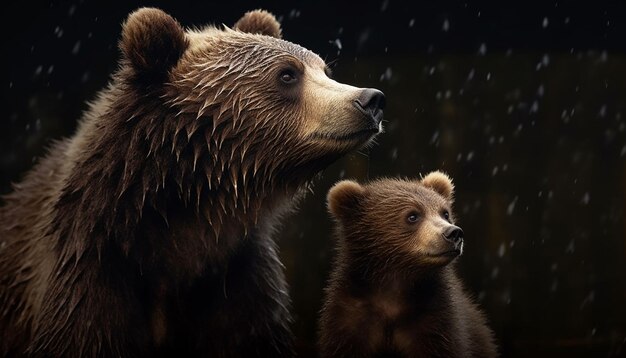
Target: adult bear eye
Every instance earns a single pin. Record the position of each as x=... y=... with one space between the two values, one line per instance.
x=288 y=76
x=446 y=215
x=412 y=218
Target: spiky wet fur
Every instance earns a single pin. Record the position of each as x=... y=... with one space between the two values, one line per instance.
x=385 y=296
x=148 y=232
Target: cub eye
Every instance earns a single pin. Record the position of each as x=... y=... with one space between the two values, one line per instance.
x=288 y=76
x=446 y=215
x=412 y=218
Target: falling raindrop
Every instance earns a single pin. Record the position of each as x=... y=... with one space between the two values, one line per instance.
x=482 y=50
x=511 y=207
x=501 y=250
x=76 y=48
x=494 y=272
x=446 y=25
x=470 y=75
x=585 y=199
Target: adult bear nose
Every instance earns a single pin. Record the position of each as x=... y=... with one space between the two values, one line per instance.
x=454 y=234
x=372 y=102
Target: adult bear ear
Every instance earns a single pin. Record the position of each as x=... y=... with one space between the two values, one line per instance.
x=439 y=182
x=344 y=199
x=152 y=41
x=259 y=22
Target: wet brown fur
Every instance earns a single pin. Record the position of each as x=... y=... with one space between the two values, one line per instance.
x=148 y=233
x=389 y=293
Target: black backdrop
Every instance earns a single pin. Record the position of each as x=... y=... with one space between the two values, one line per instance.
x=524 y=105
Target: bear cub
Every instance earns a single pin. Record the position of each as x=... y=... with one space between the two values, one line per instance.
x=393 y=290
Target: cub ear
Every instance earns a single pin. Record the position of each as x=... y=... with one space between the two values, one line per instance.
x=439 y=182
x=259 y=22
x=152 y=41
x=344 y=198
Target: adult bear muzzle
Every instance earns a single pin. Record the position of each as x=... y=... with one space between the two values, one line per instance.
x=371 y=102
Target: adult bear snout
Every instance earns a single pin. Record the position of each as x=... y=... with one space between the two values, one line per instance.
x=453 y=234
x=372 y=102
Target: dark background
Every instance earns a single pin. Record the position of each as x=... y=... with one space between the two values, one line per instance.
x=523 y=105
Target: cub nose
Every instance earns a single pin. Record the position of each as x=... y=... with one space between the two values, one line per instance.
x=454 y=234
x=372 y=102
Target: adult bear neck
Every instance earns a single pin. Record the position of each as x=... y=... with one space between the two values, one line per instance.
x=147 y=176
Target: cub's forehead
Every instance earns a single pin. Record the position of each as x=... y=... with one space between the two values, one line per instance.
x=403 y=193
x=224 y=40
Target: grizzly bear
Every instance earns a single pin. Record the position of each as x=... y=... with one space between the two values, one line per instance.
x=393 y=291
x=149 y=232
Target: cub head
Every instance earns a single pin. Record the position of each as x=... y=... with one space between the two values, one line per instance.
x=398 y=223
x=242 y=104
